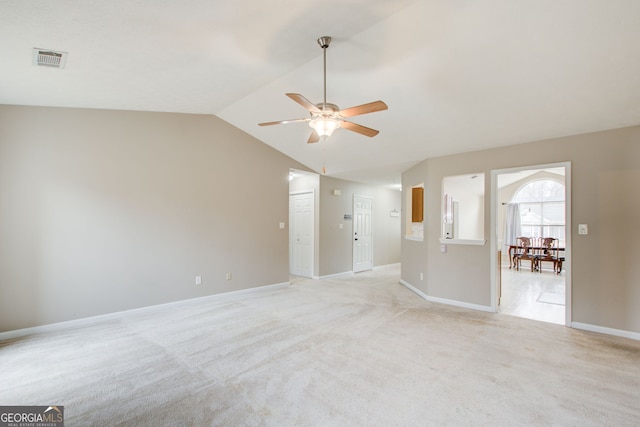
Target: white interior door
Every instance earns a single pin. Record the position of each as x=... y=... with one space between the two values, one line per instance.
x=362 y=233
x=301 y=220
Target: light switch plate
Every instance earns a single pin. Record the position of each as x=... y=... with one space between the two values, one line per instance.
x=282 y=225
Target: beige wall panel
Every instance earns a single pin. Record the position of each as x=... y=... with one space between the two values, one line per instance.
x=605 y=176
x=103 y=211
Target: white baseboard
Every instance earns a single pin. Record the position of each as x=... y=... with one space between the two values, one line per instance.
x=252 y=290
x=414 y=290
x=351 y=273
x=604 y=330
x=576 y=325
x=87 y=321
x=387 y=266
x=336 y=275
x=446 y=301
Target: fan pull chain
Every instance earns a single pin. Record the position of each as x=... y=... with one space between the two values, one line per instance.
x=324 y=159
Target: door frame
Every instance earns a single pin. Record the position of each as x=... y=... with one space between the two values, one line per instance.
x=494 y=232
x=353 y=231
x=313 y=231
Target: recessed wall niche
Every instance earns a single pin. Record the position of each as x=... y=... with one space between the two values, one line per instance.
x=463 y=208
x=415 y=213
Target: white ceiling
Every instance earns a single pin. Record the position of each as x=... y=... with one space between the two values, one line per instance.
x=457 y=75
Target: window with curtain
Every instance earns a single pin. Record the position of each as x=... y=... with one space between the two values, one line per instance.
x=542 y=207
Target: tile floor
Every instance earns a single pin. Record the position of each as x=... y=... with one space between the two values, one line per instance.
x=537 y=295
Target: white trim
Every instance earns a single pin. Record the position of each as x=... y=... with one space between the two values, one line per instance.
x=414 y=289
x=386 y=267
x=462 y=242
x=447 y=301
x=351 y=273
x=567 y=265
x=493 y=240
x=251 y=290
x=335 y=275
x=87 y=321
x=576 y=325
x=607 y=331
x=414 y=238
x=297 y=192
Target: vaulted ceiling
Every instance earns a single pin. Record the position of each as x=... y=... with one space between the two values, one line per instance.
x=457 y=75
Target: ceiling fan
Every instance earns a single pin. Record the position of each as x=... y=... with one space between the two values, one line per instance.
x=324 y=118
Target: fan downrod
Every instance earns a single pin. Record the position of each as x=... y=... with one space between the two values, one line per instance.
x=324 y=43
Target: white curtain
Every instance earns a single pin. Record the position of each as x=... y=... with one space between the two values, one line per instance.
x=512 y=229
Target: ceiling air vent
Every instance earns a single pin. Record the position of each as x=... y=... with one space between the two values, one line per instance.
x=49 y=58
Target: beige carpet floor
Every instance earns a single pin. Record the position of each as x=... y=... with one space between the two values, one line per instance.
x=355 y=351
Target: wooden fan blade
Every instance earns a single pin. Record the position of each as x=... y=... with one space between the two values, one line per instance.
x=314 y=137
x=283 y=122
x=304 y=102
x=353 y=127
x=371 y=107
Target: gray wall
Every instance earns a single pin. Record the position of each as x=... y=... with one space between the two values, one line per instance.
x=102 y=211
x=605 y=169
x=336 y=245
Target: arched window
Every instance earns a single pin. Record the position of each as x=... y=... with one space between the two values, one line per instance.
x=542 y=207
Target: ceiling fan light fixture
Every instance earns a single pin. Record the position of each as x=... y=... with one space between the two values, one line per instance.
x=324 y=126
x=325 y=117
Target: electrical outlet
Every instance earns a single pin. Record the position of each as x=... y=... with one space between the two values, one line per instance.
x=198 y=280
x=228 y=276
x=583 y=229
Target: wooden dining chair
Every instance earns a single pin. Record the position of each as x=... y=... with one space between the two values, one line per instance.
x=561 y=258
x=547 y=252
x=524 y=251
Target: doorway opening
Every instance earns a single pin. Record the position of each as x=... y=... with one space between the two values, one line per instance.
x=532 y=202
